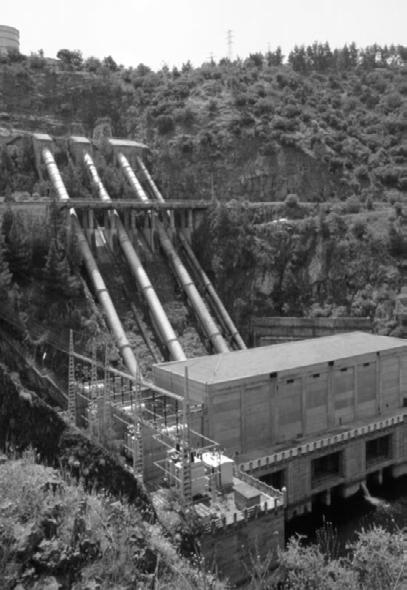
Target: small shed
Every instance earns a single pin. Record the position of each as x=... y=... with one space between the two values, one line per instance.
x=246 y=496
x=256 y=398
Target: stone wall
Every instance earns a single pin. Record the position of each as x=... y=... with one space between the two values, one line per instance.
x=234 y=548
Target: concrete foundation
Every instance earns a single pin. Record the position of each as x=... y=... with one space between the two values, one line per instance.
x=233 y=549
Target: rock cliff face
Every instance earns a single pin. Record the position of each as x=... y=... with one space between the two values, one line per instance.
x=322 y=265
x=244 y=172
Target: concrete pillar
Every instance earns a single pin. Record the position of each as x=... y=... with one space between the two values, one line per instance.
x=68 y=226
x=132 y=226
x=330 y=395
x=274 y=414
x=113 y=226
x=379 y=397
x=106 y=225
x=146 y=227
x=285 y=495
x=401 y=390
x=355 y=392
x=190 y=220
x=125 y=218
x=91 y=227
x=172 y=222
x=326 y=498
x=153 y=221
x=243 y=446
x=304 y=404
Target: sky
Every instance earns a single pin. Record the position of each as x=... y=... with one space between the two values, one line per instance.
x=171 y=32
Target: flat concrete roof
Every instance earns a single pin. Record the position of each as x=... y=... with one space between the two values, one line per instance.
x=79 y=139
x=241 y=364
x=126 y=143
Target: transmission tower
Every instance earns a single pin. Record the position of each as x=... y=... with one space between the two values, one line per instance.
x=229 y=38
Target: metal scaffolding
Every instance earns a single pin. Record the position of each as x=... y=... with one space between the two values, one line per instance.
x=116 y=408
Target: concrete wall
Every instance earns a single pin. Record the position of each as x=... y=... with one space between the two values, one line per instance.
x=232 y=549
x=249 y=415
x=354 y=469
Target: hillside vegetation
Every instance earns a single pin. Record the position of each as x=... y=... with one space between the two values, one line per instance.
x=326 y=127
x=54 y=534
x=327 y=124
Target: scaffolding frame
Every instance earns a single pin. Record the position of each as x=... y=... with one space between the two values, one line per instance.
x=103 y=399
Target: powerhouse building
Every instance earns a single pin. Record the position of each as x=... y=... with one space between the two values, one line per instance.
x=312 y=415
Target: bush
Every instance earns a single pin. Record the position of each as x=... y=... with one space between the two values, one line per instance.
x=351 y=205
x=292 y=201
x=54 y=530
x=165 y=124
x=375 y=563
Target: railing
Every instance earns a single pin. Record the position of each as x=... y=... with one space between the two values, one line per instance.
x=237 y=517
x=315 y=445
x=259 y=485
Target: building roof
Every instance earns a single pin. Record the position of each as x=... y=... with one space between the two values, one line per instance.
x=126 y=143
x=79 y=139
x=241 y=364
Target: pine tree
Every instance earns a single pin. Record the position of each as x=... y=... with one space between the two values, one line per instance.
x=19 y=249
x=58 y=278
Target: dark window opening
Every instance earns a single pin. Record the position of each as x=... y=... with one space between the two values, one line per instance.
x=316 y=375
x=290 y=381
x=275 y=480
x=326 y=466
x=344 y=369
x=366 y=364
x=378 y=449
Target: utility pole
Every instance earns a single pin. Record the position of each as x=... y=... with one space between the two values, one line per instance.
x=229 y=38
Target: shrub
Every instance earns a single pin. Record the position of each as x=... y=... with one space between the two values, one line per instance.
x=351 y=205
x=393 y=101
x=292 y=201
x=165 y=124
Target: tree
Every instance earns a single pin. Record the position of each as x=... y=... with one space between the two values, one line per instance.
x=275 y=58
x=109 y=63
x=92 y=64
x=71 y=59
x=303 y=568
x=57 y=275
x=19 y=249
x=375 y=563
x=255 y=59
x=377 y=558
x=298 y=59
x=165 y=124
